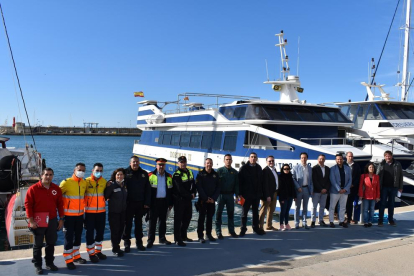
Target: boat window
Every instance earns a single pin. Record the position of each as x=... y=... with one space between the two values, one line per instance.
x=256 y=112
x=185 y=139
x=175 y=138
x=345 y=109
x=166 y=138
x=239 y=112
x=206 y=139
x=361 y=115
x=324 y=115
x=409 y=111
x=290 y=113
x=195 y=139
x=388 y=112
x=274 y=113
x=230 y=139
x=373 y=113
x=385 y=124
x=217 y=140
x=307 y=114
x=352 y=112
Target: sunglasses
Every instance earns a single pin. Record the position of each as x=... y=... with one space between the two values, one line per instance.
x=286 y=169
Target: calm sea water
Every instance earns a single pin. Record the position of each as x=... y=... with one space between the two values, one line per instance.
x=63 y=152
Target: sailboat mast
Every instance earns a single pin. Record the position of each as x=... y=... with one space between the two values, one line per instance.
x=405 y=75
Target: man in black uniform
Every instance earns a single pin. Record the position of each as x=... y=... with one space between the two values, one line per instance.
x=208 y=188
x=161 y=201
x=353 y=194
x=184 y=191
x=139 y=197
x=250 y=181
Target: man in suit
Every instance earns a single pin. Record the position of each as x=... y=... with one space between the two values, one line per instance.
x=353 y=193
x=270 y=186
x=321 y=185
x=341 y=180
x=302 y=178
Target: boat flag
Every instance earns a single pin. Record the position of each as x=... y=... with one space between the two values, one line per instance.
x=186 y=99
x=139 y=94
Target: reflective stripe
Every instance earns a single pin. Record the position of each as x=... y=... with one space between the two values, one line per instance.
x=69 y=251
x=90 y=246
x=73 y=211
x=76 y=247
x=94 y=195
x=94 y=208
x=73 y=197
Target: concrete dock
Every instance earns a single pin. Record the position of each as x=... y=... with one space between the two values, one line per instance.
x=319 y=251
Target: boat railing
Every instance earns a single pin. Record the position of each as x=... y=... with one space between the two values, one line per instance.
x=329 y=139
x=268 y=147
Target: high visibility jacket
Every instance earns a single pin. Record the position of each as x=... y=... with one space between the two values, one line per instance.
x=184 y=184
x=153 y=179
x=73 y=193
x=94 y=196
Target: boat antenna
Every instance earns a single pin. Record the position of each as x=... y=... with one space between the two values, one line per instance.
x=17 y=76
x=267 y=70
x=383 y=47
x=405 y=74
x=297 y=69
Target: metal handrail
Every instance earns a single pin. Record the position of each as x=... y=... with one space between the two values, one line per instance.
x=269 y=146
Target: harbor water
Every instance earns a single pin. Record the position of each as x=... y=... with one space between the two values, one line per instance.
x=63 y=152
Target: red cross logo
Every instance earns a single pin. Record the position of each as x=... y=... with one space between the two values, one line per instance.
x=37 y=219
x=54 y=192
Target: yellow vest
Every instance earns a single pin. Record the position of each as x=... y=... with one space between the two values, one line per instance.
x=94 y=196
x=73 y=193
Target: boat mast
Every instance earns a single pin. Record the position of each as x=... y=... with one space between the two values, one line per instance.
x=405 y=74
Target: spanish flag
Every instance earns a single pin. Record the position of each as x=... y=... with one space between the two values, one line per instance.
x=139 y=94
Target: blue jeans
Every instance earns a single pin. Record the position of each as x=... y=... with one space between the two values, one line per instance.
x=369 y=210
x=388 y=195
x=228 y=201
x=301 y=198
x=284 y=210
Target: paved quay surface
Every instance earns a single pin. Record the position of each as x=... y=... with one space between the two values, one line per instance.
x=353 y=251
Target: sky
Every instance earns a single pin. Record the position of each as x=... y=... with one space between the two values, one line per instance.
x=81 y=60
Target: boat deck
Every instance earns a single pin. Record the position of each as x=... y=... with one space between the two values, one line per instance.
x=297 y=252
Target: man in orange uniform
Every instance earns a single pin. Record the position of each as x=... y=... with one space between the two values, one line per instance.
x=73 y=192
x=95 y=213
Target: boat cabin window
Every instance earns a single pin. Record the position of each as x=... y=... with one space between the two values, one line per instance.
x=195 y=139
x=217 y=140
x=185 y=139
x=230 y=140
x=345 y=109
x=175 y=138
x=206 y=139
x=397 y=111
x=254 y=140
x=373 y=113
x=385 y=124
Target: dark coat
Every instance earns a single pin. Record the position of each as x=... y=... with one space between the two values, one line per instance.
x=356 y=175
x=286 y=187
x=137 y=183
x=116 y=196
x=319 y=181
x=269 y=183
x=183 y=190
x=208 y=185
x=250 y=181
x=398 y=174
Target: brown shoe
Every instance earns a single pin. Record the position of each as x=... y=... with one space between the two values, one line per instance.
x=271 y=228
x=392 y=223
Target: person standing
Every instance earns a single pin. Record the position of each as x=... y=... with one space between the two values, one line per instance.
x=139 y=199
x=353 y=193
x=250 y=180
x=341 y=181
x=286 y=195
x=184 y=191
x=321 y=184
x=369 y=192
x=73 y=192
x=44 y=196
x=116 y=195
x=391 y=182
x=302 y=177
x=270 y=187
x=207 y=183
x=161 y=202
x=95 y=213
x=229 y=185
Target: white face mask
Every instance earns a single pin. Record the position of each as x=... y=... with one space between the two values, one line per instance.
x=80 y=174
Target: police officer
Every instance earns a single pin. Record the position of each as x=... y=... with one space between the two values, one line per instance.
x=95 y=213
x=73 y=192
x=208 y=188
x=184 y=191
x=139 y=197
x=161 y=201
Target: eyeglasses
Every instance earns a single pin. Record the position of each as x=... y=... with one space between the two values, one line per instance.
x=285 y=169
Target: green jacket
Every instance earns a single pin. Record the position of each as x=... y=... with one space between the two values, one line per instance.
x=229 y=180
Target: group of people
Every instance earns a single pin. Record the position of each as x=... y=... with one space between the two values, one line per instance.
x=132 y=193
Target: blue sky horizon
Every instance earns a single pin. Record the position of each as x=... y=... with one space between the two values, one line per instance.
x=81 y=61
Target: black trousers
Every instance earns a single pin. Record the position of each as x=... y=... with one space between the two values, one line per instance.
x=73 y=234
x=350 y=206
x=205 y=209
x=183 y=211
x=48 y=233
x=158 y=213
x=117 y=225
x=254 y=204
x=134 y=212
x=94 y=222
